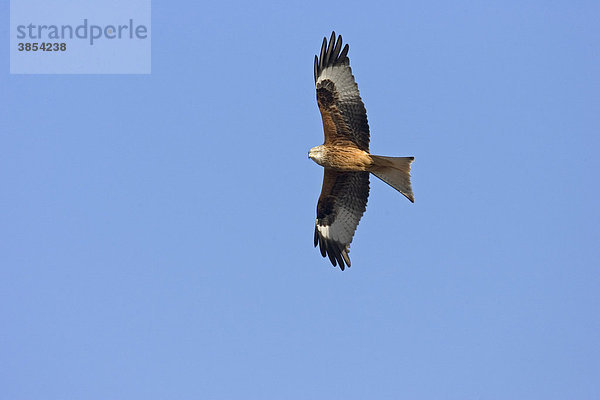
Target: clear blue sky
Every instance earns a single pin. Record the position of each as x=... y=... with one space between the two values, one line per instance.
x=156 y=231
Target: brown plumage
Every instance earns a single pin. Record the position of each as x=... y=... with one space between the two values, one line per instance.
x=345 y=155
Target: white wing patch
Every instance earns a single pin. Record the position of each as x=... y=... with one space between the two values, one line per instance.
x=342 y=229
x=323 y=230
x=341 y=76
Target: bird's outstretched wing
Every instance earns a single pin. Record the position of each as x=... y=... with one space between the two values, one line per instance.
x=342 y=203
x=343 y=112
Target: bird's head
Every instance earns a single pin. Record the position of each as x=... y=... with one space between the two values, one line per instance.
x=317 y=154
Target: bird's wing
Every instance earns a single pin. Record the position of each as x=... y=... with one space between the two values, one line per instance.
x=342 y=203
x=343 y=112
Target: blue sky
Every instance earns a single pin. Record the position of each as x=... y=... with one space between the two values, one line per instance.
x=156 y=230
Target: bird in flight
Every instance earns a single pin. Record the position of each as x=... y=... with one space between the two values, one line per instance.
x=345 y=155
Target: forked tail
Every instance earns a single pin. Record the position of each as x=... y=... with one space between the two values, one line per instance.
x=395 y=171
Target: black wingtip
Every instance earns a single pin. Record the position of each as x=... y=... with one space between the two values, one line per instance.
x=322 y=246
x=336 y=252
x=330 y=54
x=344 y=54
x=330 y=48
x=322 y=55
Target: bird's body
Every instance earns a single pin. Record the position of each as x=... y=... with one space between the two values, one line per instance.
x=345 y=155
x=341 y=158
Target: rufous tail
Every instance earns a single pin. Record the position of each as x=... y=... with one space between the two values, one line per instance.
x=395 y=171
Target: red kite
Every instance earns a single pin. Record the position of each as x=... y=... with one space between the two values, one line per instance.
x=345 y=155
